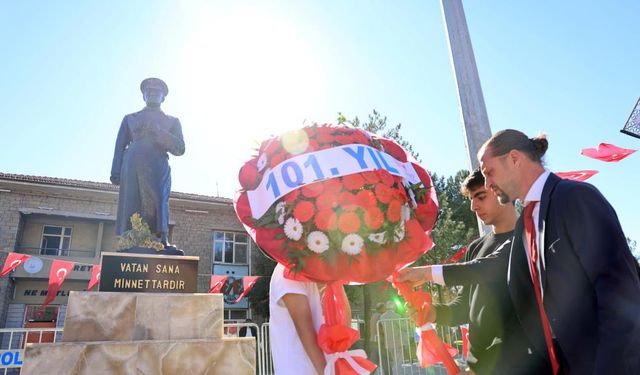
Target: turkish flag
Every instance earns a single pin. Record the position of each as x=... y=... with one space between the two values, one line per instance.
x=577 y=175
x=464 y=329
x=458 y=255
x=248 y=282
x=607 y=152
x=95 y=276
x=60 y=269
x=13 y=260
x=216 y=284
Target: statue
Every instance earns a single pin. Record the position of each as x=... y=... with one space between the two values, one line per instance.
x=141 y=163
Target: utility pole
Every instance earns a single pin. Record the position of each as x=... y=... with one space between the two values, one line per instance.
x=475 y=122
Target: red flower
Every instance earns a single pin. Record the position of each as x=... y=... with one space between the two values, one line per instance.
x=347 y=200
x=373 y=218
x=371 y=177
x=386 y=177
x=325 y=134
x=332 y=186
x=277 y=159
x=270 y=146
x=353 y=181
x=326 y=219
x=303 y=211
x=394 y=149
x=312 y=190
x=327 y=200
x=348 y=222
x=292 y=196
x=366 y=198
x=383 y=193
x=345 y=139
x=248 y=175
x=394 y=211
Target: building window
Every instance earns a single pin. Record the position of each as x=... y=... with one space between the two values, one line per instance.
x=229 y=247
x=55 y=240
x=33 y=313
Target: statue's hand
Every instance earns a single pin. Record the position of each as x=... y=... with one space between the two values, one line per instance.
x=115 y=179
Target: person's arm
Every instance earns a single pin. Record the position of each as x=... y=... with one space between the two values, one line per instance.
x=171 y=140
x=122 y=141
x=300 y=311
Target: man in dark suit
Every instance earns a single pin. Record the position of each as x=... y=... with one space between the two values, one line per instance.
x=252 y=332
x=497 y=344
x=571 y=277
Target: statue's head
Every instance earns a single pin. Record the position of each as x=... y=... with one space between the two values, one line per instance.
x=154 y=91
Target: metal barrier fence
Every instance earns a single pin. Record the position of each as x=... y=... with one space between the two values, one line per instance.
x=396 y=352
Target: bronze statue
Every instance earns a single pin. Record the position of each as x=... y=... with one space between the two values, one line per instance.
x=141 y=163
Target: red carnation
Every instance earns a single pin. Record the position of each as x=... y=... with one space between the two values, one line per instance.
x=347 y=200
x=303 y=211
x=383 y=193
x=327 y=200
x=325 y=134
x=371 y=177
x=385 y=177
x=373 y=217
x=366 y=198
x=348 y=222
x=326 y=219
x=292 y=196
x=345 y=139
x=248 y=175
x=277 y=159
x=361 y=137
x=394 y=211
x=332 y=186
x=270 y=146
x=312 y=190
x=353 y=181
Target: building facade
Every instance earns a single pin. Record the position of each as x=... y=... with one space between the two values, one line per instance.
x=54 y=218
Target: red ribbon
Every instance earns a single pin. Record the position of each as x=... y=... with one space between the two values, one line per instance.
x=431 y=349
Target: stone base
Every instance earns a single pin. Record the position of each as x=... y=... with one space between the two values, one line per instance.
x=103 y=316
x=235 y=355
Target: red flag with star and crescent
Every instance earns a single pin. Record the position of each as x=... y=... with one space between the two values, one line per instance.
x=607 y=152
x=60 y=269
x=217 y=283
x=577 y=175
x=248 y=283
x=13 y=260
x=95 y=276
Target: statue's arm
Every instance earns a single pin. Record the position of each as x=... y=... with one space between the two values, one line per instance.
x=121 y=144
x=172 y=140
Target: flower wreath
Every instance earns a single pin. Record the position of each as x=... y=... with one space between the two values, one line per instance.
x=357 y=227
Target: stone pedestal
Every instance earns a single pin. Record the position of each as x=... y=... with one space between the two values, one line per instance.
x=139 y=333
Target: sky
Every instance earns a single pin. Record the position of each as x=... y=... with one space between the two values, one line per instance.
x=239 y=71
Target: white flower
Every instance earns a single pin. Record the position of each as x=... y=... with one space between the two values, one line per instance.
x=405 y=214
x=280 y=208
x=352 y=244
x=398 y=233
x=293 y=229
x=318 y=242
x=262 y=161
x=377 y=237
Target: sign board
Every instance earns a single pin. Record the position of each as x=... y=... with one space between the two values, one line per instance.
x=126 y=272
x=11 y=358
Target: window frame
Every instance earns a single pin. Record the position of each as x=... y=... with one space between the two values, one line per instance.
x=62 y=236
x=235 y=242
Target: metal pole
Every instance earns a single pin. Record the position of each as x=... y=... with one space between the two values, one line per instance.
x=475 y=122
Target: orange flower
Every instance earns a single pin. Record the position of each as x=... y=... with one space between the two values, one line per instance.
x=373 y=218
x=394 y=211
x=292 y=196
x=326 y=219
x=366 y=198
x=333 y=186
x=353 y=181
x=347 y=201
x=371 y=177
x=383 y=193
x=348 y=222
x=304 y=211
x=326 y=200
x=312 y=190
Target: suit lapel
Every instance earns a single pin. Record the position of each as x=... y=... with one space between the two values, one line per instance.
x=545 y=200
